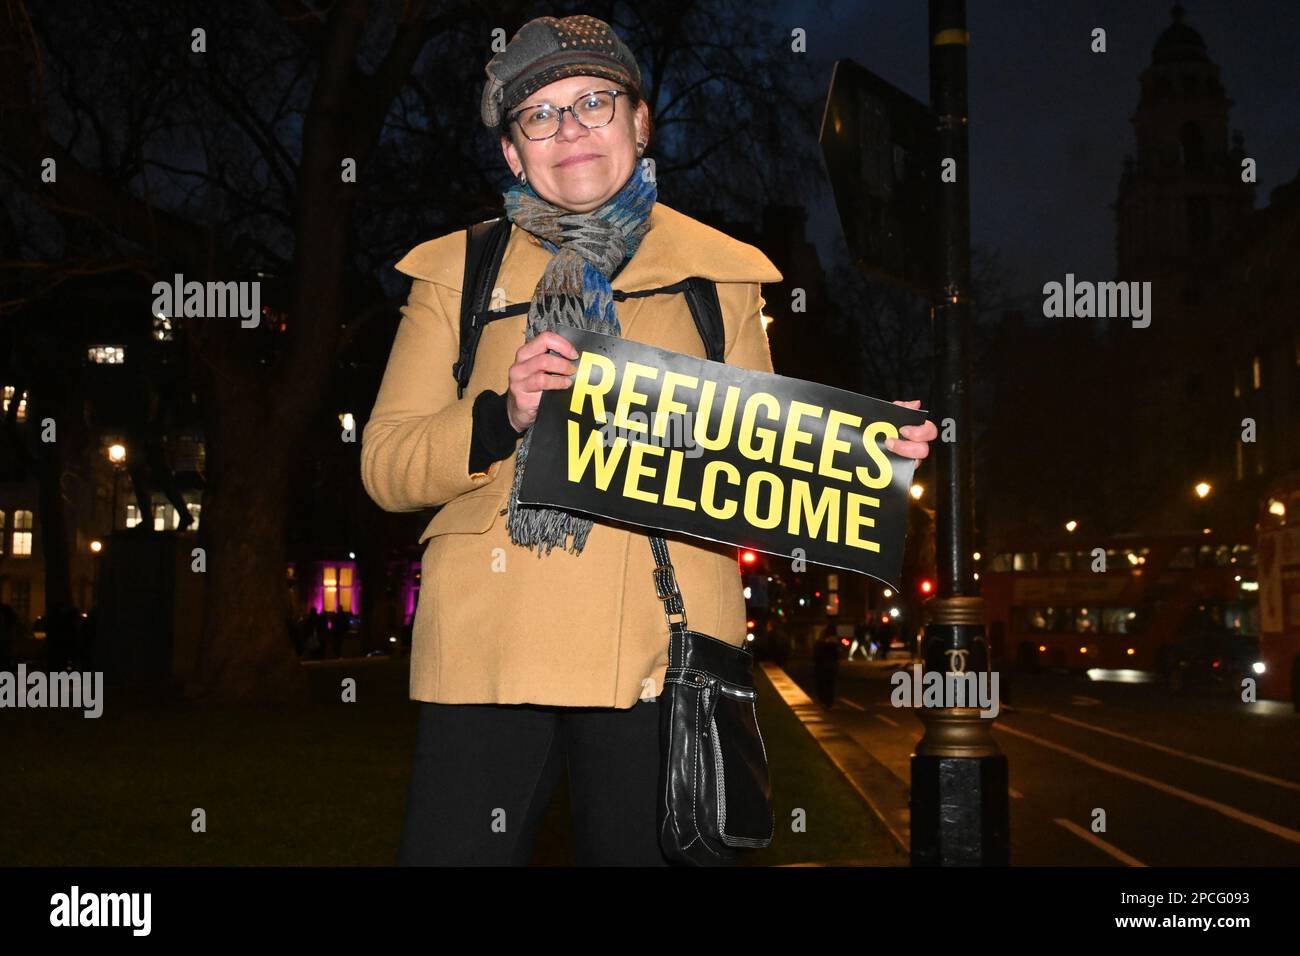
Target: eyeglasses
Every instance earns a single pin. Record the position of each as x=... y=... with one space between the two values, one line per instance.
x=592 y=110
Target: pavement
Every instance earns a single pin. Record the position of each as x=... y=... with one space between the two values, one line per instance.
x=880 y=789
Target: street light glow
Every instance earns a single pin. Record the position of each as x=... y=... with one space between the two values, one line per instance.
x=1202 y=489
x=117 y=453
x=917 y=491
x=1071 y=525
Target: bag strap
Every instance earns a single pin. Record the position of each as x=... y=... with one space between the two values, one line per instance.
x=485 y=247
x=665 y=579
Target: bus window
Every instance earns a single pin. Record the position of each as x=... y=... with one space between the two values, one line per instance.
x=1242 y=617
x=1212 y=556
x=1244 y=555
x=1058 y=561
x=1037 y=619
x=1000 y=562
x=1025 y=561
x=1086 y=620
x=1119 y=620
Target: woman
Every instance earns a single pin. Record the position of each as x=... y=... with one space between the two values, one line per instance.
x=531 y=653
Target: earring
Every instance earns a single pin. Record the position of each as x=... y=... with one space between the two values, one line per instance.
x=523 y=178
x=640 y=148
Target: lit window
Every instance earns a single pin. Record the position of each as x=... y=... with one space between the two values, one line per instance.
x=21 y=414
x=107 y=354
x=1255 y=372
x=132 y=516
x=22 y=534
x=330 y=581
x=162 y=328
x=345 y=589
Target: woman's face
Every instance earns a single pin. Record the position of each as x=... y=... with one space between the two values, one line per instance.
x=589 y=184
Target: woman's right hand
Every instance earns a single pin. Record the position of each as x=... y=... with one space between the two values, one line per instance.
x=534 y=371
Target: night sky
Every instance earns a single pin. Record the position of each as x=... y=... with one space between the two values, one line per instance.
x=1050 y=119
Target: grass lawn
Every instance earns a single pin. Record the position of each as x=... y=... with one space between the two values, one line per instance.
x=318 y=786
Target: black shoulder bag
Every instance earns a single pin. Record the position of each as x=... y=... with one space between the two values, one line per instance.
x=715 y=798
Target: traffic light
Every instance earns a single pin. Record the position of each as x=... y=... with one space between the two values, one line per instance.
x=748 y=557
x=927 y=586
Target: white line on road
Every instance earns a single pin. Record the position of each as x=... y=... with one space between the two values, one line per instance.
x=1268 y=826
x=849 y=703
x=1244 y=771
x=882 y=717
x=1085 y=701
x=1098 y=842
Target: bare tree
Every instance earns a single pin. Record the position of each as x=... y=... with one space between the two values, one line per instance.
x=218 y=141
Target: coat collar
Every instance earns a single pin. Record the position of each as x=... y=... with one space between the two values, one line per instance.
x=675 y=247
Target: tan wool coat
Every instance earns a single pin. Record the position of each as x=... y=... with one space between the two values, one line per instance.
x=495 y=623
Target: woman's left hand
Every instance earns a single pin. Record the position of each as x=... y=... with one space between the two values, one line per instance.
x=918 y=437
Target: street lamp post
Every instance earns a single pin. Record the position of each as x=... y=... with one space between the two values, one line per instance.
x=959 y=805
x=117 y=456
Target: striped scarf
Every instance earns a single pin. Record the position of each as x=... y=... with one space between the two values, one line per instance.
x=574 y=290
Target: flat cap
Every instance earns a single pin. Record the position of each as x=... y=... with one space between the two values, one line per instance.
x=547 y=49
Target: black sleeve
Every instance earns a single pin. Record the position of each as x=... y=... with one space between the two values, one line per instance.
x=493 y=437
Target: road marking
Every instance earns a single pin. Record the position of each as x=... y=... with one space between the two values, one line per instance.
x=849 y=703
x=1268 y=826
x=1085 y=701
x=882 y=717
x=1098 y=842
x=1244 y=771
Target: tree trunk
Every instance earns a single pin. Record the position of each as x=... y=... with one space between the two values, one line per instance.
x=246 y=652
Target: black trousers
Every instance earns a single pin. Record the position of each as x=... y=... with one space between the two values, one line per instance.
x=484 y=774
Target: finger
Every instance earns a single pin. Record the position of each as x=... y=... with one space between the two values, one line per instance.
x=554 y=340
x=545 y=363
x=908 y=449
x=926 y=432
x=540 y=342
x=541 y=381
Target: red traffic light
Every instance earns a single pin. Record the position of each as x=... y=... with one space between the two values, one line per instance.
x=748 y=557
x=927 y=586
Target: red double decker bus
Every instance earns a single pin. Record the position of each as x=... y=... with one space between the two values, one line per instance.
x=1052 y=604
x=1279 y=591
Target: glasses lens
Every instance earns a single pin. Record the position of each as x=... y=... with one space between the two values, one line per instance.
x=595 y=109
x=540 y=121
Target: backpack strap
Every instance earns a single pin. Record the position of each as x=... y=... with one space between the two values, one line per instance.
x=485 y=247
x=702 y=297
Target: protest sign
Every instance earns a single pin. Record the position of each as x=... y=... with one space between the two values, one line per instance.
x=673 y=442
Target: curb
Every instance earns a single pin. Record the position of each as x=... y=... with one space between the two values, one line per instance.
x=885 y=794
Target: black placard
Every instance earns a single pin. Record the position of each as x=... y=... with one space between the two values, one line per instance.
x=678 y=443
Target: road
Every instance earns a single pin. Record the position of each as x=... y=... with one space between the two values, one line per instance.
x=1191 y=780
